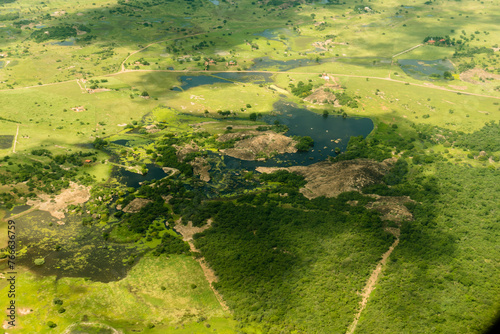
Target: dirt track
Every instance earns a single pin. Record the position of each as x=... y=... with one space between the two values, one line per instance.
x=370 y=286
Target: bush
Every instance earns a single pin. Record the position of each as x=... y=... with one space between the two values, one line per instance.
x=304 y=143
x=39 y=262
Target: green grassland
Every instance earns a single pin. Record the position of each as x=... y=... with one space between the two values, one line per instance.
x=157 y=291
x=124 y=49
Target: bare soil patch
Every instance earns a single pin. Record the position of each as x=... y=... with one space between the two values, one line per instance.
x=323 y=45
x=331 y=179
x=265 y=144
x=322 y=96
x=201 y=168
x=136 y=205
x=75 y=194
x=189 y=230
x=471 y=75
x=392 y=208
x=182 y=151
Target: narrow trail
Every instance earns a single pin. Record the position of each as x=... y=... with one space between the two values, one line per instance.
x=84 y=90
x=15 y=140
x=408 y=50
x=187 y=231
x=209 y=276
x=370 y=286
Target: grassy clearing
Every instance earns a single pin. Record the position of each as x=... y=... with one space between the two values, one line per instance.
x=132 y=303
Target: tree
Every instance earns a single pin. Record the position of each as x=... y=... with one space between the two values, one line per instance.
x=144 y=93
x=253 y=116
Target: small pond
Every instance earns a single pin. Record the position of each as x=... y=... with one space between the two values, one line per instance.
x=69 y=42
x=122 y=142
x=5 y=140
x=285 y=65
x=135 y=180
x=302 y=122
x=215 y=2
x=190 y=81
x=423 y=69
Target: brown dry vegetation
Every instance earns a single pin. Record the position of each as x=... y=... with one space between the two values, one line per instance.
x=331 y=179
x=480 y=74
x=267 y=144
x=201 y=167
x=75 y=194
x=391 y=207
x=320 y=96
x=136 y=205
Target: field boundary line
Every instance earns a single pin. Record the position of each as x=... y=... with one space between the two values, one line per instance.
x=15 y=140
x=408 y=50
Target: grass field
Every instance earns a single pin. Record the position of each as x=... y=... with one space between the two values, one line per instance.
x=158 y=290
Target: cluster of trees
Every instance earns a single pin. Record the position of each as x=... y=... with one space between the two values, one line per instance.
x=304 y=143
x=59 y=32
x=46 y=177
x=466 y=51
x=301 y=90
x=9 y=16
x=439 y=250
x=171 y=245
x=140 y=222
x=486 y=139
x=345 y=99
x=267 y=254
x=359 y=147
x=440 y=40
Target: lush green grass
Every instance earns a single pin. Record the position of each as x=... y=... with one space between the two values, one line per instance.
x=132 y=303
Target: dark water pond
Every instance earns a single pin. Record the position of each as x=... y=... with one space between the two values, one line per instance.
x=285 y=65
x=190 y=81
x=69 y=42
x=5 y=140
x=122 y=142
x=325 y=131
x=270 y=34
x=132 y=179
x=215 y=2
x=423 y=69
x=1 y=63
